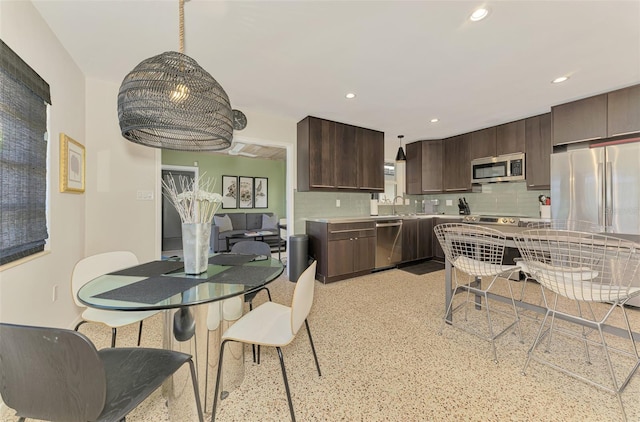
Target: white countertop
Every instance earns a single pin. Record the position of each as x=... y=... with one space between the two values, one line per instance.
x=379 y=217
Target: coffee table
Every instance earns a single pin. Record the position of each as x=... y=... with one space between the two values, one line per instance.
x=252 y=235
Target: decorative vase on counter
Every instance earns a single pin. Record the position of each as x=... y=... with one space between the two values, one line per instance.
x=195 y=247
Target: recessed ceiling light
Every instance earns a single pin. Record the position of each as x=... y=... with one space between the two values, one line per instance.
x=350 y=95
x=479 y=14
x=435 y=120
x=559 y=80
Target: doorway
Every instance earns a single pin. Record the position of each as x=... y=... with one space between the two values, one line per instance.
x=171 y=223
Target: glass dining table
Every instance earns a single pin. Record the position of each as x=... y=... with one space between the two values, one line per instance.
x=197 y=310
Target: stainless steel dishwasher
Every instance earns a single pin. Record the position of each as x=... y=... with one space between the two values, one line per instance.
x=388 y=243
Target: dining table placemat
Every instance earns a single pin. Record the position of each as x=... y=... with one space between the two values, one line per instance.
x=151 y=290
x=151 y=269
x=247 y=275
x=231 y=259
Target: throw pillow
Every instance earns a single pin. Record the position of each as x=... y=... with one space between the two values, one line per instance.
x=224 y=222
x=269 y=222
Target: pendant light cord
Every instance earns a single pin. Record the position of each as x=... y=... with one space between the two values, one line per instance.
x=181 y=5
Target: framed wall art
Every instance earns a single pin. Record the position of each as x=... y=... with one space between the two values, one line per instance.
x=229 y=192
x=261 y=192
x=246 y=192
x=72 y=165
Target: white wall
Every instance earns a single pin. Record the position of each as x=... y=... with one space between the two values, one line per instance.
x=107 y=216
x=26 y=289
x=116 y=170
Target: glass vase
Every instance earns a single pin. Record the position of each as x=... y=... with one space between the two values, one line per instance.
x=195 y=247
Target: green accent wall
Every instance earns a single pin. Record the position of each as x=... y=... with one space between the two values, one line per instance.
x=218 y=165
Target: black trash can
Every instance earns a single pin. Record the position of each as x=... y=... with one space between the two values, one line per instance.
x=298 y=255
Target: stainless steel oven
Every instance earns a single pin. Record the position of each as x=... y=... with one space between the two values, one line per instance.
x=388 y=243
x=510 y=253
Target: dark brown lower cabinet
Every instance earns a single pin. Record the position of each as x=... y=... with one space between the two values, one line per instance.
x=343 y=250
x=409 y=240
x=425 y=234
x=416 y=239
x=437 y=249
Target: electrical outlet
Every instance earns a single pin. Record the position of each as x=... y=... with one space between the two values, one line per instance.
x=337 y=203
x=144 y=195
x=54 y=295
x=449 y=202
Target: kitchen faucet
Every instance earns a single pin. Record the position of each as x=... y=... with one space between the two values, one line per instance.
x=393 y=203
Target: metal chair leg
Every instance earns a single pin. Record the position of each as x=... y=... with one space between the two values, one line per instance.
x=312 y=347
x=79 y=324
x=286 y=384
x=217 y=390
x=139 y=333
x=113 y=337
x=194 y=381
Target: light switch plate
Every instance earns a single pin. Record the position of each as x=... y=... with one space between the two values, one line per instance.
x=449 y=202
x=337 y=203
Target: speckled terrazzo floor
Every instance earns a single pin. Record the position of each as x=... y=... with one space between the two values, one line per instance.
x=382 y=360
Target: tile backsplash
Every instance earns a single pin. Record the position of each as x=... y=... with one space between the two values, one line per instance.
x=512 y=199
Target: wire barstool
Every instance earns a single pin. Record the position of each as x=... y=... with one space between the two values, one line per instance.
x=477 y=252
x=585 y=268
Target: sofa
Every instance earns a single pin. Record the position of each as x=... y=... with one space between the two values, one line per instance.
x=241 y=222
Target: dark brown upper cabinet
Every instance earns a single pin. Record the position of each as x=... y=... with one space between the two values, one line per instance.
x=344 y=152
x=456 y=174
x=483 y=143
x=370 y=160
x=581 y=120
x=623 y=111
x=316 y=144
x=335 y=156
x=539 y=148
x=510 y=138
x=414 y=168
x=424 y=167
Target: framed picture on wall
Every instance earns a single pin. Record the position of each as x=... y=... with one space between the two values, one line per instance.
x=72 y=165
x=261 y=192
x=229 y=192
x=246 y=192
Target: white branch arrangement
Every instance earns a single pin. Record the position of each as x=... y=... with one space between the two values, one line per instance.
x=193 y=199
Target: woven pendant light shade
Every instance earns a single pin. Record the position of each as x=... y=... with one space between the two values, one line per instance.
x=168 y=101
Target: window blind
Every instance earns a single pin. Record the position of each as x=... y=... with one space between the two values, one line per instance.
x=23 y=158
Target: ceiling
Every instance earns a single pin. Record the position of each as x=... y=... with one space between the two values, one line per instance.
x=407 y=61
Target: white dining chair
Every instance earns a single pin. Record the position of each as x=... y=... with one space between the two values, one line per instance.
x=275 y=325
x=94 y=266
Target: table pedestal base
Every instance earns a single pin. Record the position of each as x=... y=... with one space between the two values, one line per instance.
x=211 y=320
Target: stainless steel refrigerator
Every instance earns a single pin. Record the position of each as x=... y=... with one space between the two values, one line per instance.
x=601 y=185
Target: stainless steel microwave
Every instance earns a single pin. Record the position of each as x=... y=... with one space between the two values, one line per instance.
x=503 y=168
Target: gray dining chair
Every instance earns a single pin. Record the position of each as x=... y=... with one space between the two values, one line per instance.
x=252 y=247
x=54 y=374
